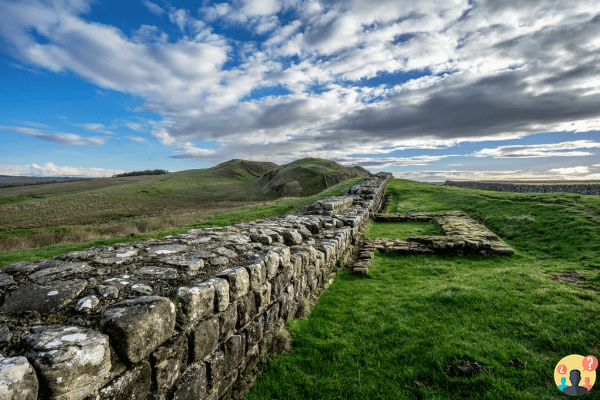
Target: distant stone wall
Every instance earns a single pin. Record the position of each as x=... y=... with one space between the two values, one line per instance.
x=177 y=318
x=586 y=189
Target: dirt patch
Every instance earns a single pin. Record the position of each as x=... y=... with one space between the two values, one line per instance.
x=465 y=369
x=574 y=278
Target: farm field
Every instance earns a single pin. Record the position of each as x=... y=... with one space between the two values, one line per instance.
x=403 y=331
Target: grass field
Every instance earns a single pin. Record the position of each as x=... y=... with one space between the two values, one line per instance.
x=246 y=213
x=393 y=334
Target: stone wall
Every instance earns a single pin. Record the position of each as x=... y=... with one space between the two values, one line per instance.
x=586 y=189
x=177 y=318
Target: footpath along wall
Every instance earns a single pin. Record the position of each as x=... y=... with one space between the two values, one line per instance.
x=177 y=318
x=586 y=189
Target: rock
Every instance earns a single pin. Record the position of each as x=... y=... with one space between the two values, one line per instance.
x=239 y=281
x=197 y=302
x=137 y=327
x=215 y=368
x=271 y=263
x=18 y=380
x=21 y=267
x=225 y=252
x=254 y=332
x=234 y=350
x=6 y=280
x=60 y=271
x=72 y=361
x=257 y=273
x=219 y=261
x=251 y=359
x=204 y=339
x=120 y=281
x=141 y=288
x=186 y=263
x=262 y=296
x=87 y=304
x=264 y=239
x=167 y=249
x=4 y=334
x=193 y=384
x=292 y=237
x=227 y=320
x=246 y=309
x=126 y=253
x=134 y=384
x=226 y=382
x=170 y=361
x=221 y=293
x=156 y=273
x=107 y=291
x=42 y=299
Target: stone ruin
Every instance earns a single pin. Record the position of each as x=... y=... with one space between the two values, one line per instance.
x=177 y=318
x=589 y=189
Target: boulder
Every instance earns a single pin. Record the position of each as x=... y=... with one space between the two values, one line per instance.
x=72 y=361
x=134 y=384
x=193 y=383
x=239 y=281
x=42 y=299
x=138 y=326
x=18 y=380
x=197 y=301
x=170 y=361
x=204 y=339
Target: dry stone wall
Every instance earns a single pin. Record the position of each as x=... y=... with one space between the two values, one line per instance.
x=177 y=318
x=586 y=189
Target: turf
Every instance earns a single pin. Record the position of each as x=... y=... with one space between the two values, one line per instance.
x=392 y=335
x=401 y=230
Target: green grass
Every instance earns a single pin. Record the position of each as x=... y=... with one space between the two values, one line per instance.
x=390 y=335
x=401 y=230
x=283 y=208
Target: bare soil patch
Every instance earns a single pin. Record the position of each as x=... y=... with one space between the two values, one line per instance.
x=465 y=369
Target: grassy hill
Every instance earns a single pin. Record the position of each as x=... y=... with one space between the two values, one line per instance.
x=306 y=177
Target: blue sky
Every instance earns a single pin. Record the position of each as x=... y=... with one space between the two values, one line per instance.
x=429 y=90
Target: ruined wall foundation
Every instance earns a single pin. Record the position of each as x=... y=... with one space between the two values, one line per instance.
x=585 y=189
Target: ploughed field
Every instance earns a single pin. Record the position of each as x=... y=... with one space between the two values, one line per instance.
x=453 y=327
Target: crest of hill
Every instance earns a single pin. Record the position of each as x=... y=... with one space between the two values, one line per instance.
x=243 y=167
x=306 y=177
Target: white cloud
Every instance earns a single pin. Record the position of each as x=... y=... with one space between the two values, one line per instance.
x=570 y=170
x=50 y=169
x=93 y=127
x=63 y=139
x=489 y=175
x=135 y=126
x=153 y=8
x=137 y=138
x=540 y=150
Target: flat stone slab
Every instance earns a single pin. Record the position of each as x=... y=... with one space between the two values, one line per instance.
x=156 y=273
x=18 y=380
x=72 y=361
x=120 y=281
x=167 y=249
x=43 y=299
x=6 y=280
x=185 y=263
x=138 y=326
x=61 y=271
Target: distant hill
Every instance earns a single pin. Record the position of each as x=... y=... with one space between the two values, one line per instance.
x=306 y=177
x=242 y=168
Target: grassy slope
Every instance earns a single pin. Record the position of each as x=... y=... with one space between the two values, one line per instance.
x=311 y=175
x=90 y=202
x=390 y=335
x=280 y=208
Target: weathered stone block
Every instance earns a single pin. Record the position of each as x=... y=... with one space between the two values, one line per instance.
x=60 y=271
x=254 y=331
x=205 y=337
x=266 y=341
x=197 y=302
x=257 y=273
x=141 y=288
x=246 y=309
x=169 y=362
x=221 y=293
x=18 y=380
x=42 y=299
x=87 y=304
x=215 y=368
x=271 y=263
x=193 y=383
x=71 y=361
x=107 y=291
x=251 y=358
x=227 y=382
x=167 y=249
x=227 y=321
x=284 y=306
x=292 y=237
x=4 y=334
x=296 y=261
x=271 y=317
x=156 y=273
x=137 y=327
x=262 y=296
x=6 y=280
x=239 y=281
x=134 y=384
x=235 y=350
x=277 y=286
